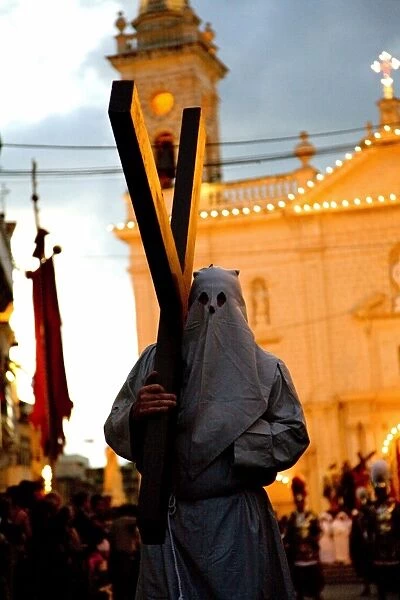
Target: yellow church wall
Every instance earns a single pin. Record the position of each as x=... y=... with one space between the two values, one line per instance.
x=320 y=271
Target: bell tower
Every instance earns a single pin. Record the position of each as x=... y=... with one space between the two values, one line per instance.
x=174 y=64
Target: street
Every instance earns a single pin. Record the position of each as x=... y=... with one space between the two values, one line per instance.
x=349 y=592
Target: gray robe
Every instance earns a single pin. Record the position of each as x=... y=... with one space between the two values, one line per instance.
x=239 y=422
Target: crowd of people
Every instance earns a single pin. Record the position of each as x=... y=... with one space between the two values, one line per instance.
x=81 y=550
x=86 y=550
x=366 y=536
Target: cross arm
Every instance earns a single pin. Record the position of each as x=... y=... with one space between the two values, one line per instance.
x=145 y=191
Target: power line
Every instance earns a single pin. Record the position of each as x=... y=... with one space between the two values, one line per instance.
x=266 y=140
x=239 y=161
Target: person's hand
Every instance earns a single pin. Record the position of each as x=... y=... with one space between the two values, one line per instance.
x=152 y=399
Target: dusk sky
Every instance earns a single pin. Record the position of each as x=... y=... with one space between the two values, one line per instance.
x=293 y=65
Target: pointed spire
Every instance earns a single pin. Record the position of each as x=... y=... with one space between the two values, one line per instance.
x=389 y=105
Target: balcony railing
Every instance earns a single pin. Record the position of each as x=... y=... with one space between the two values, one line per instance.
x=250 y=192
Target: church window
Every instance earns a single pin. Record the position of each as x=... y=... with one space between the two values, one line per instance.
x=165 y=159
x=260 y=302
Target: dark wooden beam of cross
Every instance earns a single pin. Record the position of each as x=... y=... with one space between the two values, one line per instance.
x=169 y=250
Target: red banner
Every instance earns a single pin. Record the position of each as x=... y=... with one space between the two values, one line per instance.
x=52 y=401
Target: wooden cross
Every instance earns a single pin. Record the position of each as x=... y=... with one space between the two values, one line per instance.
x=169 y=250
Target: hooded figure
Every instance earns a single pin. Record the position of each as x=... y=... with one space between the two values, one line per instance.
x=239 y=422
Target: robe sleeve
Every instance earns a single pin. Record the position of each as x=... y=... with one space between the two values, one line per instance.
x=285 y=422
x=121 y=433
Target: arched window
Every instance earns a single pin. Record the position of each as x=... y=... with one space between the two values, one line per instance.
x=165 y=159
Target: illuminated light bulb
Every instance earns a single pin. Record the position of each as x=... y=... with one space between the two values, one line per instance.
x=385 y=450
x=316 y=206
x=297 y=208
x=279 y=477
x=131 y=224
x=320 y=177
x=345 y=203
x=235 y=211
x=392 y=197
x=333 y=204
x=257 y=208
x=329 y=170
x=398 y=426
x=120 y=226
x=246 y=210
x=225 y=212
x=204 y=214
x=394 y=430
x=349 y=156
x=285 y=480
x=357 y=201
x=214 y=213
x=300 y=190
x=270 y=206
x=47 y=475
x=357 y=148
x=338 y=163
x=307 y=207
x=397 y=131
x=367 y=142
x=310 y=183
x=10 y=376
x=386 y=443
x=281 y=203
x=368 y=199
x=110 y=227
x=376 y=66
x=325 y=204
x=377 y=135
x=291 y=196
x=387 y=127
x=390 y=436
x=381 y=198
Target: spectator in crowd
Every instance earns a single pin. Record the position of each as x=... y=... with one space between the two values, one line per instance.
x=341 y=527
x=124 y=553
x=326 y=544
x=302 y=545
x=359 y=543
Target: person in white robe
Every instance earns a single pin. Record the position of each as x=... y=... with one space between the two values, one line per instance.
x=239 y=422
x=341 y=528
x=326 y=543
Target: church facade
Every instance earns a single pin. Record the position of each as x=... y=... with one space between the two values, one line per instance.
x=319 y=252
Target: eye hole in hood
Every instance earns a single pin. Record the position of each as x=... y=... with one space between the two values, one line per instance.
x=203 y=298
x=221 y=299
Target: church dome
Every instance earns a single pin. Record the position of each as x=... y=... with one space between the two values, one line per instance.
x=148 y=6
